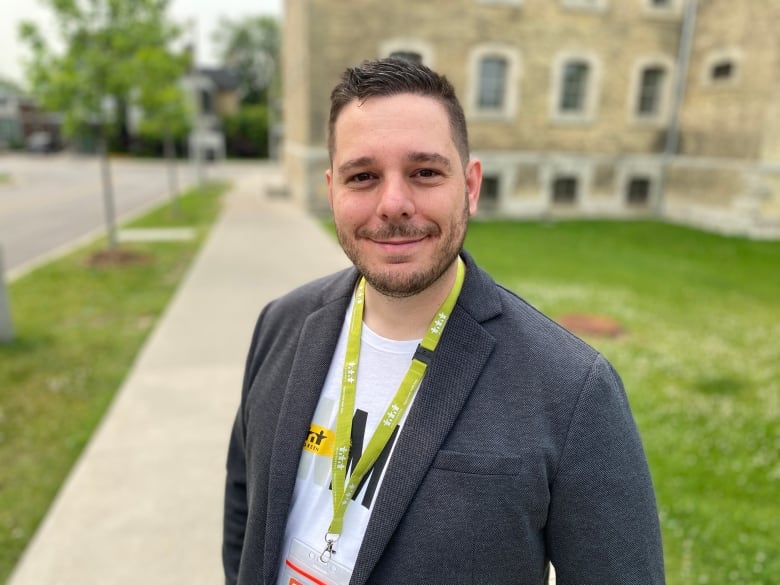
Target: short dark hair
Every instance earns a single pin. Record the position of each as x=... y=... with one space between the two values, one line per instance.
x=393 y=76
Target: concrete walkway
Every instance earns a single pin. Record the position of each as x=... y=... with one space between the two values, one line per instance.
x=143 y=505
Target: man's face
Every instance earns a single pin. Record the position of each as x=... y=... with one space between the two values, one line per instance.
x=400 y=196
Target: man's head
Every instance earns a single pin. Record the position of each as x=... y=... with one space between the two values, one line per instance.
x=388 y=77
x=401 y=185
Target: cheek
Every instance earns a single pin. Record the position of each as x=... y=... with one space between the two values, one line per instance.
x=351 y=210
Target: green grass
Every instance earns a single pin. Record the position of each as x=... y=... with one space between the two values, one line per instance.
x=701 y=364
x=78 y=330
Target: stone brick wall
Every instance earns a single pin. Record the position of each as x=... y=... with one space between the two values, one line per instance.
x=529 y=144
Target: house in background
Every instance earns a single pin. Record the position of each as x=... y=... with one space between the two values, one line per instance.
x=24 y=125
x=577 y=108
x=214 y=93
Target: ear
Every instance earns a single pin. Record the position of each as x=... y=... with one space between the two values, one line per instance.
x=329 y=181
x=473 y=184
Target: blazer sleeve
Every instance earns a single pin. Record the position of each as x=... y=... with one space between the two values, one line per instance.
x=235 y=503
x=603 y=523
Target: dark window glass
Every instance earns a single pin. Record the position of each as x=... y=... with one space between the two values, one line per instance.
x=492 y=82
x=650 y=91
x=407 y=55
x=723 y=70
x=565 y=190
x=638 y=191
x=575 y=83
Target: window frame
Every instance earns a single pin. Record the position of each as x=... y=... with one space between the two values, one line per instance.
x=640 y=67
x=733 y=56
x=591 y=93
x=512 y=79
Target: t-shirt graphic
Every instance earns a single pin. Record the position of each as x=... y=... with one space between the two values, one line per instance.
x=383 y=364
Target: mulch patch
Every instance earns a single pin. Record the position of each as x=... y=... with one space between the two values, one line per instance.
x=591 y=325
x=117 y=257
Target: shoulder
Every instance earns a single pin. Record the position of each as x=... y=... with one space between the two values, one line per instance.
x=519 y=327
x=302 y=301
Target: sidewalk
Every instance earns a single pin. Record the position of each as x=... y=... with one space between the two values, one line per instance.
x=143 y=505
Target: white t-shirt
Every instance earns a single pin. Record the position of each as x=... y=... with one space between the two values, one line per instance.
x=382 y=366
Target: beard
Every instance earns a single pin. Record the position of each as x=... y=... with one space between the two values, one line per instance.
x=396 y=283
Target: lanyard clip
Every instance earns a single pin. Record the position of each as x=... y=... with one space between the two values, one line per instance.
x=423 y=354
x=330 y=540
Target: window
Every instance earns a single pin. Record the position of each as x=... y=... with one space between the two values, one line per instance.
x=206 y=102
x=596 y=5
x=407 y=56
x=663 y=8
x=638 y=191
x=574 y=95
x=489 y=192
x=564 y=190
x=409 y=48
x=722 y=71
x=574 y=88
x=492 y=82
x=650 y=91
x=722 y=68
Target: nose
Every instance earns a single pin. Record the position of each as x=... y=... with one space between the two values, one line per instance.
x=396 y=199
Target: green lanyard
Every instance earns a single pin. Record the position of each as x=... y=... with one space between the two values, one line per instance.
x=343 y=491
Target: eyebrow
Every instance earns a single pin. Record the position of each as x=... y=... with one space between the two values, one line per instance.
x=355 y=163
x=416 y=157
x=430 y=157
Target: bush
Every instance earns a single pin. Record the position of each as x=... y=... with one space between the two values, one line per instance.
x=246 y=132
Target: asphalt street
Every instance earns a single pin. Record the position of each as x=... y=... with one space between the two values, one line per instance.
x=51 y=203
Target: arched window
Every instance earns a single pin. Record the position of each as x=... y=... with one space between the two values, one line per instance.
x=492 y=82
x=574 y=87
x=651 y=85
x=412 y=56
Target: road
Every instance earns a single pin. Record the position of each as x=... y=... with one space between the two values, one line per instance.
x=48 y=204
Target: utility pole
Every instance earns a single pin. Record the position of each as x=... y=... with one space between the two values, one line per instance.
x=6 y=328
x=672 y=142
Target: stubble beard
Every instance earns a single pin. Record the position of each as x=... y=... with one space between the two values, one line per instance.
x=395 y=285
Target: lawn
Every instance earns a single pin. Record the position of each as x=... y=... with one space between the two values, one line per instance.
x=701 y=364
x=79 y=327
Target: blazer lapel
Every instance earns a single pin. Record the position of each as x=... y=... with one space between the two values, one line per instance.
x=313 y=355
x=459 y=359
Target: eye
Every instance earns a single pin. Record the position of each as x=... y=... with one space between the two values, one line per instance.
x=361 y=177
x=427 y=173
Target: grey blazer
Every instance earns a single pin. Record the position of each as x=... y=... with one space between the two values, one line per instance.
x=519 y=449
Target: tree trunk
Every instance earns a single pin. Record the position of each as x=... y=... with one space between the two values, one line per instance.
x=108 y=191
x=6 y=327
x=169 y=146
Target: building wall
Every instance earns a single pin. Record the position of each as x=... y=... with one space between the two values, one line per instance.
x=529 y=148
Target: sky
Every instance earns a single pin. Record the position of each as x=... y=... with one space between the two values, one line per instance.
x=204 y=14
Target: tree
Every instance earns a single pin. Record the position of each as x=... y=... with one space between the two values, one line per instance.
x=164 y=104
x=251 y=47
x=92 y=80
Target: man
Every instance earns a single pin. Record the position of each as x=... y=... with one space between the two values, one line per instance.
x=516 y=450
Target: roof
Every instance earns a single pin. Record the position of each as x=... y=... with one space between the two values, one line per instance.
x=223 y=78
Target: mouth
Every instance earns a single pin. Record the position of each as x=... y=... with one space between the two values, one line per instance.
x=398 y=246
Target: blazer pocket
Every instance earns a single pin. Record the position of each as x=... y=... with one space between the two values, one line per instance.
x=477 y=464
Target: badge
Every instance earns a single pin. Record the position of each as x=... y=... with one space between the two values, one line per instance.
x=303 y=566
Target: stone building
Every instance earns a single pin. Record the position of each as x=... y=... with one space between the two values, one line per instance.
x=587 y=108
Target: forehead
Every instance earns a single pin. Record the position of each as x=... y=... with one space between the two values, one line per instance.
x=392 y=121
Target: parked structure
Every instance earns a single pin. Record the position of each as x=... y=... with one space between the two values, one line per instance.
x=601 y=108
x=24 y=125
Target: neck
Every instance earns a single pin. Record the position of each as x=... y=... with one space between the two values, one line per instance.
x=406 y=318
